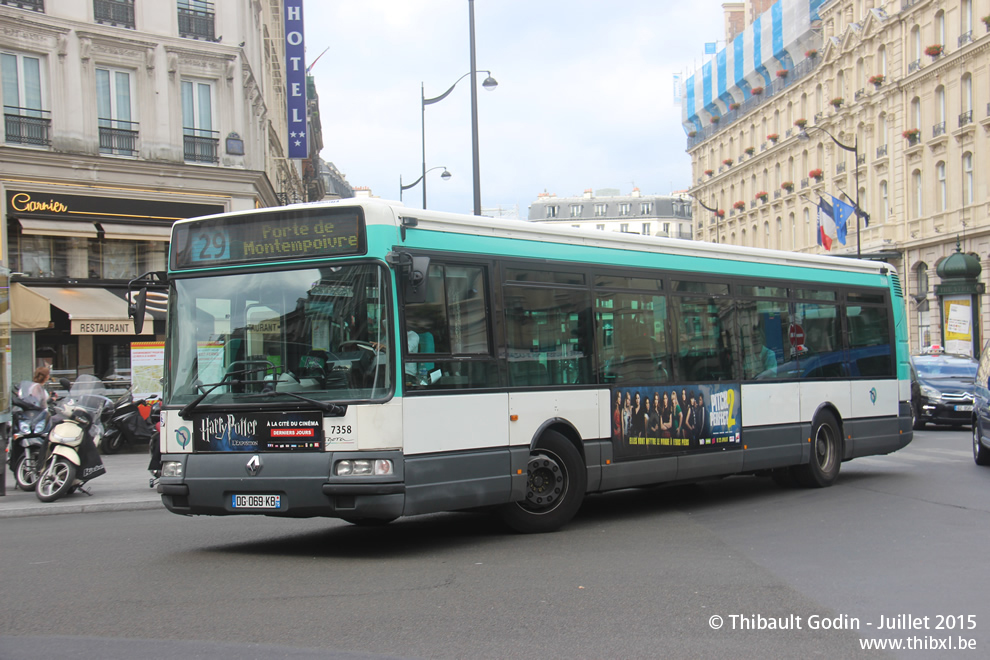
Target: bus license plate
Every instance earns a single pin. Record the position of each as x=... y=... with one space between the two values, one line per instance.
x=257 y=501
x=964 y=408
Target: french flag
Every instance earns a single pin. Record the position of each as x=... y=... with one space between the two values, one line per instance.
x=826 y=224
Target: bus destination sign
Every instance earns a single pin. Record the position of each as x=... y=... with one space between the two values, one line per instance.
x=277 y=236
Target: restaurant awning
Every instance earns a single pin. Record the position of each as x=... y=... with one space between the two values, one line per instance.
x=64 y=228
x=136 y=232
x=92 y=311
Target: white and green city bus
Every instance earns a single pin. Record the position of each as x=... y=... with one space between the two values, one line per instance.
x=363 y=360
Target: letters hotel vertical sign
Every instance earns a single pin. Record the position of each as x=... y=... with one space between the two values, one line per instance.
x=295 y=78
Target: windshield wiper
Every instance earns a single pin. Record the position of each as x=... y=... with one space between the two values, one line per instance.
x=334 y=409
x=189 y=407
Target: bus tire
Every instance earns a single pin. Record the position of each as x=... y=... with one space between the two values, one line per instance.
x=556 y=482
x=826 y=454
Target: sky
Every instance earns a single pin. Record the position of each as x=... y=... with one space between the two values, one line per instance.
x=585 y=96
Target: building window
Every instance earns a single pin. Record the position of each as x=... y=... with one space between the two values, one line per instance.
x=600 y=227
x=666 y=229
x=25 y=119
x=36 y=5
x=576 y=210
x=918 y=190
x=884 y=202
x=118 y=134
x=967 y=167
x=601 y=210
x=200 y=142
x=119 y=13
x=551 y=211
x=646 y=208
x=624 y=227
x=625 y=208
x=646 y=229
x=942 y=190
x=196 y=19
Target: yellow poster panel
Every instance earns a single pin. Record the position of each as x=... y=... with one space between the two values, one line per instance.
x=957 y=314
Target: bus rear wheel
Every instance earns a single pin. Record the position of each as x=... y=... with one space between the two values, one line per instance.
x=826 y=454
x=556 y=481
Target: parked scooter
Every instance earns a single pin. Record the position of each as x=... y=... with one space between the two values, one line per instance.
x=128 y=425
x=31 y=423
x=71 y=455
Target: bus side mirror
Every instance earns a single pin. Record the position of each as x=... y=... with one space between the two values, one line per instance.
x=415 y=288
x=135 y=309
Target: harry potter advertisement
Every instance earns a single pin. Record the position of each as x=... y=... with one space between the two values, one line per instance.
x=653 y=420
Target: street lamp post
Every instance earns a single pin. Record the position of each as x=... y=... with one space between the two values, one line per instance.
x=803 y=135
x=489 y=83
x=713 y=210
x=445 y=175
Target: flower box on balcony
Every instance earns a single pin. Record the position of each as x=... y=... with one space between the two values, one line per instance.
x=691 y=134
x=877 y=80
x=811 y=53
x=714 y=120
x=727 y=162
x=788 y=186
x=773 y=137
x=816 y=174
x=934 y=50
x=750 y=151
x=733 y=106
x=739 y=206
x=762 y=196
x=782 y=73
x=800 y=123
x=756 y=90
x=720 y=213
x=837 y=102
x=709 y=172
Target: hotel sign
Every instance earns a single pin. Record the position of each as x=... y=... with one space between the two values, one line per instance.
x=295 y=79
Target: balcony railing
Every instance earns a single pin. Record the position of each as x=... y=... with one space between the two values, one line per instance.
x=860 y=93
x=776 y=194
x=914 y=66
x=907 y=4
x=34 y=5
x=114 y=12
x=965 y=38
x=965 y=118
x=197 y=22
x=118 y=137
x=881 y=151
x=201 y=146
x=840 y=168
x=860 y=159
x=938 y=129
x=27 y=126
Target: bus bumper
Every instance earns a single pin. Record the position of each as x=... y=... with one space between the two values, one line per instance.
x=297 y=485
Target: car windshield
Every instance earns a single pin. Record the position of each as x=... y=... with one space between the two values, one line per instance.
x=946 y=368
x=321 y=333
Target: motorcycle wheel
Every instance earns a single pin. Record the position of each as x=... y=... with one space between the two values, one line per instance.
x=56 y=481
x=112 y=441
x=26 y=471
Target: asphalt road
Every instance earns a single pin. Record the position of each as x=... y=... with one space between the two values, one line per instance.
x=639 y=574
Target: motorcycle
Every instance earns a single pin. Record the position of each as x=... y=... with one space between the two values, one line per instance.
x=71 y=455
x=130 y=422
x=31 y=423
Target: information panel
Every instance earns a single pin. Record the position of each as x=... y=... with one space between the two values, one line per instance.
x=658 y=420
x=273 y=236
x=256 y=432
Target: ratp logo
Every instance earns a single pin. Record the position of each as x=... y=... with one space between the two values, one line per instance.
x=182 y=436
x=873 y=395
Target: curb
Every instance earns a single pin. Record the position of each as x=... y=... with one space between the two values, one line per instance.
x=53 y=509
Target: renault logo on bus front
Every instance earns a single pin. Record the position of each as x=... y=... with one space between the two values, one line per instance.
x=254 y=465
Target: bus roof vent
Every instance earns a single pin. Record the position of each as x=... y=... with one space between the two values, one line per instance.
x=896 y=282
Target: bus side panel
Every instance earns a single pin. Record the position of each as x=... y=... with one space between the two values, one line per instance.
x=772 y=431
x=697 y=466
x=874 y=398
x=455 y=451
x=448 y=423
x=640 y=472
x=459 y=480
x=812 y=394
x=586 y=410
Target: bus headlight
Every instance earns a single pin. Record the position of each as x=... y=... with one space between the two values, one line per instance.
x=171 y=469
x=363 y=467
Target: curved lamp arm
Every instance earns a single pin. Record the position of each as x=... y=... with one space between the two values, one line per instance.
x=489 y=84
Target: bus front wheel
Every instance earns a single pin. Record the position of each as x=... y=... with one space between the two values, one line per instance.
x=556 y=481
x=826 y=454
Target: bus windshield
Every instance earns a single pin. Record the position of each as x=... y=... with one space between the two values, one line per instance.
x=244 y=338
